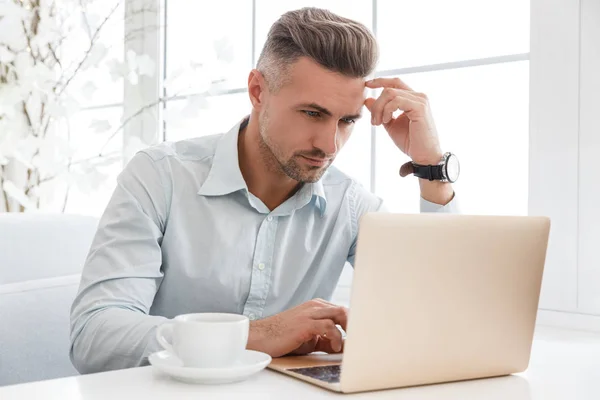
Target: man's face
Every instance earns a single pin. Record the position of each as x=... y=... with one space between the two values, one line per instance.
x=310 y=118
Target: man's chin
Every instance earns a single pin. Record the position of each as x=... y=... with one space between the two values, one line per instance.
x=305 y=173
x=314 y=174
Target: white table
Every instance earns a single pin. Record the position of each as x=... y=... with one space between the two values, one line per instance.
x=564 y=365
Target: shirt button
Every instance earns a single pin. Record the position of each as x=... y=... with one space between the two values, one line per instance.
x=269 y=218
x=261 y=266
x=252 y=317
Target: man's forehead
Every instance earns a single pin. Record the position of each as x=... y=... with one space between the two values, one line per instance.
x=340 y=94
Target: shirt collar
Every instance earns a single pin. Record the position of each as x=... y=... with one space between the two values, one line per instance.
x=225 y=176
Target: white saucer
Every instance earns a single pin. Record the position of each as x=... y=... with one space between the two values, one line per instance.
x=250 y=363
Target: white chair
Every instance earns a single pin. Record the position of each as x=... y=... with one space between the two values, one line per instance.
x=41 y=258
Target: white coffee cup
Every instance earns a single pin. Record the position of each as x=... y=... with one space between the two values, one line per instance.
x=205 y=340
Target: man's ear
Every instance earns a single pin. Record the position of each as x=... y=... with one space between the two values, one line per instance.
x=257 y=88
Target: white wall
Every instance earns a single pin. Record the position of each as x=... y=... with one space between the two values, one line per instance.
x=564 y=142
x=589 y=175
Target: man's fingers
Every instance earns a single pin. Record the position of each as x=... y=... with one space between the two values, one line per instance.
x=391 y=100
x=338 y=315
x=390 y=108
x=307 y=347
x=377 y=107
x=326 y=329
x=328 y=310
x=387 y=82
x=325 y=345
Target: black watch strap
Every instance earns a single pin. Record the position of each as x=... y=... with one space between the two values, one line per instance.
x=429 y=172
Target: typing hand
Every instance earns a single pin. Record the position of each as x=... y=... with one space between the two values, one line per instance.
x=308 y=327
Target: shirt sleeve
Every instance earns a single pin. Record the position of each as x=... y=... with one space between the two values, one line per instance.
x=429 y=207
x=110 y=325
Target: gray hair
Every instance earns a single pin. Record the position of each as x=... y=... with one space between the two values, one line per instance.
x=337 y=43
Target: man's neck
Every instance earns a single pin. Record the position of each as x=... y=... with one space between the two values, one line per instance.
x=261 y=171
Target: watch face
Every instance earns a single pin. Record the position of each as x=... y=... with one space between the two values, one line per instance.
x=452 y=168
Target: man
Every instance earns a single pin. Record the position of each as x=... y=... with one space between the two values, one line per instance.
x=254 y=221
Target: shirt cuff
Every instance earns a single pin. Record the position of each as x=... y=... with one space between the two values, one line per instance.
x=450 y=208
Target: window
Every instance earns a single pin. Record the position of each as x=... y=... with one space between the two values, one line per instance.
x=473 y=69
x=200 y=116
x=481 y=114
x=460 y=53
x=420 y=33
x=197 y=34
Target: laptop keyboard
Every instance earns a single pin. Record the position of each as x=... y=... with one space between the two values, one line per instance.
x=325 y=373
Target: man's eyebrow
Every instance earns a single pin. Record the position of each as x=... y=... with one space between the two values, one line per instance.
x=317 y=107
x=325 y=111
x=353 y=116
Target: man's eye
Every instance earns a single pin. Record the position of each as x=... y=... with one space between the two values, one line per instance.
x=348 y=121
x=312 y=114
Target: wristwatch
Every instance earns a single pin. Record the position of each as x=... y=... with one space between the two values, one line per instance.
x=447 y=170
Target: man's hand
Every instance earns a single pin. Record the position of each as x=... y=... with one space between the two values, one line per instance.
x=301 y=330
x=413 y=131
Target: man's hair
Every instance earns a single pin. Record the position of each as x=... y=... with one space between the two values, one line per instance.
x=337 y=43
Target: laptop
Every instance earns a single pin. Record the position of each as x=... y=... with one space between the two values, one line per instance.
x=435 y=298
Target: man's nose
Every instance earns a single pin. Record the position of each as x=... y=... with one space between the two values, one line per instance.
x=326 y=139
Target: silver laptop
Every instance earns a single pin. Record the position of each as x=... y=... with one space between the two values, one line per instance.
x=435 y=298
